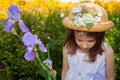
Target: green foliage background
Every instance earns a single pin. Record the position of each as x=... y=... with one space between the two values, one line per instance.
x=51 y=31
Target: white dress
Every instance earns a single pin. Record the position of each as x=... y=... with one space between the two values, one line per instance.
x=79 y=69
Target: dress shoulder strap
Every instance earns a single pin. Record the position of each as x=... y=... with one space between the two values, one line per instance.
x=104 y=44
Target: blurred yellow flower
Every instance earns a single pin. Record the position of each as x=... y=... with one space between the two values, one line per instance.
x=47 y=7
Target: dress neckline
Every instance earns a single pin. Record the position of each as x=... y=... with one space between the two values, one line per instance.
x=80 y=53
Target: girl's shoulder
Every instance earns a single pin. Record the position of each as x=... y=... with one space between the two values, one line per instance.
x=108 y=48
x=65 y=47
x=109 y=53
x=65 y=50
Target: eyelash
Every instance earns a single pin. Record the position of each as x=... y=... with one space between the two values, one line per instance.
x=88 y=41
x=91 y=41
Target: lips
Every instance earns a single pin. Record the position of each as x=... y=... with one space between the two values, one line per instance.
x=84 y=49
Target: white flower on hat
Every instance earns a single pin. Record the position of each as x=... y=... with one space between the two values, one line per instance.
x=78 y=21
x=88 y=18
x=76 y=10
x=97 y=19
x=84 y=18
x=99 y=14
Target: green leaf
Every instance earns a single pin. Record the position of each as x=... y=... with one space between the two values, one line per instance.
x=94 y=14
x=84 y=11
x=89 y=25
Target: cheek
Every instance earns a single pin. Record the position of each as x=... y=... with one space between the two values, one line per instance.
x=92 y=44
x=78 y=43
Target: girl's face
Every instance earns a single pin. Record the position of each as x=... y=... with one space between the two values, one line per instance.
x=83 y=41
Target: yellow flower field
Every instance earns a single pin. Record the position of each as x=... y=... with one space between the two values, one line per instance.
x=47 y=6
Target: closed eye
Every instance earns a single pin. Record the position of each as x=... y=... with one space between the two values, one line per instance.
x=91 y=40
x=79 y=40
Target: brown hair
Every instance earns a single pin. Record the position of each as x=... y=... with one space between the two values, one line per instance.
x=71 y=45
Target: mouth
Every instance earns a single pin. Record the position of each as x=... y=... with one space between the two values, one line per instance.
x=84 y=50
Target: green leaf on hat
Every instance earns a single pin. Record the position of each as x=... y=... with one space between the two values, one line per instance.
x=94 y=14
x=89 y=25
x=84 y=11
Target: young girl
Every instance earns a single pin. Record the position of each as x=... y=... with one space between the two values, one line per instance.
x=85 y=54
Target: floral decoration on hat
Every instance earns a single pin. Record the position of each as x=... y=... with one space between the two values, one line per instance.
x=84 y=18
x=88 y=17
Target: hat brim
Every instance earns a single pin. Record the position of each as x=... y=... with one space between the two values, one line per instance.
x=100 y=27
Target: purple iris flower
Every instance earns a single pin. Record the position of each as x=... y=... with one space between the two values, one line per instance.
x=14 y=16
x=30 y=41
x=48 y=62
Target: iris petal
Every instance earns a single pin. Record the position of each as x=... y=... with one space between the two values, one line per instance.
x=9 y=25
x=4 y=22
x=29 y=39
x=48 y=62
x=13 y=12
x=23 y=27
x=42 y=47
x=29 y=55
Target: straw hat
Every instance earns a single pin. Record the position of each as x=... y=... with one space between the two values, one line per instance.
x=88 y=17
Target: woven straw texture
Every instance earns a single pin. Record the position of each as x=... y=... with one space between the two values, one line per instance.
x=102 y=26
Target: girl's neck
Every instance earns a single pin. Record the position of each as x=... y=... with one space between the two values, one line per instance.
x=82 y=51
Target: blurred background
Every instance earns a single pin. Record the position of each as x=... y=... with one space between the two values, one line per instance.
x=43 y=18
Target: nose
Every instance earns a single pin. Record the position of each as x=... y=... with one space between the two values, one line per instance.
x=84 y=45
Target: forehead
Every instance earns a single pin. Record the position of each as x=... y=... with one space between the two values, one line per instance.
x=78 y=33
x=82 y=35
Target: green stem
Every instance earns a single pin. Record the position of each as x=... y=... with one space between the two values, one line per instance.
x=47 y=46
x=48 y=54
x=19 y=37
x=45 y=71
x=13 y=31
